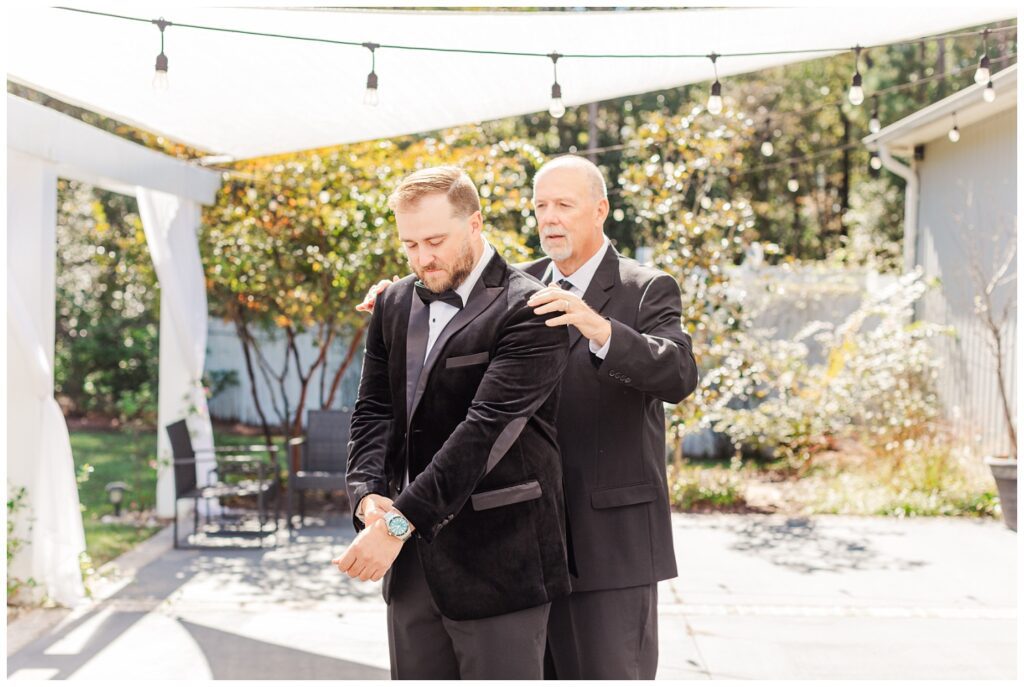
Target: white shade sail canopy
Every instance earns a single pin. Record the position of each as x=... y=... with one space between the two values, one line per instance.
x=247 y=96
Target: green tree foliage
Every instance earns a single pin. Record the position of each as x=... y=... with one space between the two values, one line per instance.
x=803 y=109
x=107 y=306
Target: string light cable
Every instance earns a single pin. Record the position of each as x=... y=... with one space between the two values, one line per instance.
x=854 y=95
x=813 y=108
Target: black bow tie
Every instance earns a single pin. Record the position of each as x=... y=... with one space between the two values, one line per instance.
x=428 y=296
x=565 y=284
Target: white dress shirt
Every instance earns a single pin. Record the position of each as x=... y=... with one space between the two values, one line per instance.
x=580 y=280
x=441 y=313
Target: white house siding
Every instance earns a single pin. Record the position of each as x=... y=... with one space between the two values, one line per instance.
x=224 y=352
x=968 y=198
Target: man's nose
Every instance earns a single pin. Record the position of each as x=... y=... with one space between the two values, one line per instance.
x=426 y=258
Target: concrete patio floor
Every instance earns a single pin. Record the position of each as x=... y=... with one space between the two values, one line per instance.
x=758 y=597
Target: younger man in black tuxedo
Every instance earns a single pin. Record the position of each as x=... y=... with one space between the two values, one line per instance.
x=453 y=464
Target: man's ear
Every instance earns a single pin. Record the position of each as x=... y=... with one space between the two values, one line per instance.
x=602 y=211
x=476 y=223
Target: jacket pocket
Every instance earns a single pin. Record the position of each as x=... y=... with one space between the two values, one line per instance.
x=624 y=496
x=506 y=496
x=463 y=360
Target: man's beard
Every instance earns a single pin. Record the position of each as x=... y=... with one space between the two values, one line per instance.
x=453 y=275
x=559 y=253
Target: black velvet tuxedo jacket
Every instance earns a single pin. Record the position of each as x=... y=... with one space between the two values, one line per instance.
x=611 y=426
x=475 y=426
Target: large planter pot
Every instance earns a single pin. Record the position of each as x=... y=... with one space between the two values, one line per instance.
x=1004 y=472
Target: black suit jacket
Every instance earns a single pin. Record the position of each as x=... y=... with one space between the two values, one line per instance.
x=475 y=424
x=611 y=425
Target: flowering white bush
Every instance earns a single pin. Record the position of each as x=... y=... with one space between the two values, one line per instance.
x=876 y=382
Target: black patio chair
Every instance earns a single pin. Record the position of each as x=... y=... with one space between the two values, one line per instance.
x=241 y=471
x=323 y=457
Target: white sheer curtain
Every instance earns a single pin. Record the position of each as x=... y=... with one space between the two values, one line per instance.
x=38 y=449
x=171 y=223
x=57 y=537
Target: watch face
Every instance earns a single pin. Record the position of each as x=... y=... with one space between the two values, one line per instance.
x=398 y=526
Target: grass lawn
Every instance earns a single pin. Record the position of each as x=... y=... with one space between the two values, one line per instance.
x=928 y=479
x=125 y=456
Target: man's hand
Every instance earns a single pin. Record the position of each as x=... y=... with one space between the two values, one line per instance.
x=374 y=506
x=577 y=313
x=371 y=554
x=371 y=295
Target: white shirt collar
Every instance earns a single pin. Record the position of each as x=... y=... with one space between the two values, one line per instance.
x=582 y=277
x=467 y=286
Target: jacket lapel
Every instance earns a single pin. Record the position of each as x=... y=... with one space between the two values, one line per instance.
x=416 y=336
x=485 y=291
x=548 y=271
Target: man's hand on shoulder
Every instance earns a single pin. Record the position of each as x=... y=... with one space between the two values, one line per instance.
x=575 y=312
x=371 y=295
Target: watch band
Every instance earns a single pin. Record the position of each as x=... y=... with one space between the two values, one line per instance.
x=392 y=515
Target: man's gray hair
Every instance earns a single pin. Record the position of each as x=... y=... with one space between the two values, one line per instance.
x=594 y=175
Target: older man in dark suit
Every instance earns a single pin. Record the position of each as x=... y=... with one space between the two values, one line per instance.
x=628 y=356
x=453 y=461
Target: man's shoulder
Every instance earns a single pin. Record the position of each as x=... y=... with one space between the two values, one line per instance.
x=393 y=292
x=522 y=284
x=638 y=275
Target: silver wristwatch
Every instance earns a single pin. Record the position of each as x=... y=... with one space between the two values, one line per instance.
x=398 y=526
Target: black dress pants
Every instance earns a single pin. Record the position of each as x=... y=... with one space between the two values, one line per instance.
x=425 y=645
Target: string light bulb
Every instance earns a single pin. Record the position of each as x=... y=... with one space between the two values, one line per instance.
x=856 y=94
x=874 y=124
x=984 y=72
x=793 y=185
x=954 y=133
x=876 y=161
x=160 y=83
x=715 y=99
x=370 y=96
x=989 y=93
x=557 y=108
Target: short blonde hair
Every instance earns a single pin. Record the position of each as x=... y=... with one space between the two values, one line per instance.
x=449 y=180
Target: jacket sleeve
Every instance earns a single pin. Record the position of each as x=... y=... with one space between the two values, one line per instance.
x=528 y=361
x=372 y=419
x=657 y=357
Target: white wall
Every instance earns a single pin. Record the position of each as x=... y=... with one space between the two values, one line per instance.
x=968 y=196
x=224 y=352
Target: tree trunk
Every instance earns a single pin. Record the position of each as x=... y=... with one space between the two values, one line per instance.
x=357 y=337
x=1003 y=392
x=295 y=425
x=844 y=184
x=247 y=354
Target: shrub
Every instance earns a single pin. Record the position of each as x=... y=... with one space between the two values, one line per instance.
x=875 y=384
